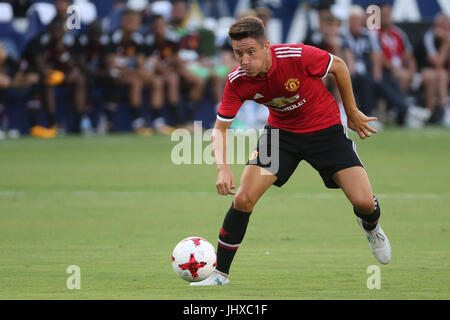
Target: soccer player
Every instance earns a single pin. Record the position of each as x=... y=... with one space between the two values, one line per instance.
x=287 y=79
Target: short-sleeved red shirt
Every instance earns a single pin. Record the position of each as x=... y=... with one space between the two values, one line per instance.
x=292 y=90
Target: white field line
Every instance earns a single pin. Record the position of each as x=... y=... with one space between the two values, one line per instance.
x=319 y=195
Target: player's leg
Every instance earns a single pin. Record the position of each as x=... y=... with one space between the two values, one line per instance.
x=356 y=186
x=273 y=162
x=254 y=182
x=334 y=156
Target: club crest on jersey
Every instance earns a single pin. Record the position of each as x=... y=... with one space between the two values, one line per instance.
x=292 y=84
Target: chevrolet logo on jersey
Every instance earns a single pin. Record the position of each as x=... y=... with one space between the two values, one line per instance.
x=281 y=102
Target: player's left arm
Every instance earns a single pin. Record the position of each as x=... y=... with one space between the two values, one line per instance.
x=356 y=120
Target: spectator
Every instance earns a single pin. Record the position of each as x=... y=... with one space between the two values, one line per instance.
x=50 y=55
x=192 y=69
x=398 y=65
x=368 y=72
x=224 y=66
x=160 y=51
x=61 y=8
x=90 y=53
x=433 y=56
x=329 y=37
x=125 y=46
x=398 y=57
x=11 y=76
x=367 y=65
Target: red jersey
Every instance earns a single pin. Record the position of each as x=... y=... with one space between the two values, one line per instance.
x=292 y=90
x=394 y=42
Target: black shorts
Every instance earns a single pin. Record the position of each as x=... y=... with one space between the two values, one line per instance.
x=328 y=151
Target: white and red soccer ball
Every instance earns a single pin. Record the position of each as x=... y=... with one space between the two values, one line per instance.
x=194 y=259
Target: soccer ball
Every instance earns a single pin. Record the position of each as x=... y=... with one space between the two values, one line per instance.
x=194 y=259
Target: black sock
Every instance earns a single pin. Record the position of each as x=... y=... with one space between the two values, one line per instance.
x=369 y=220
x=231 y=235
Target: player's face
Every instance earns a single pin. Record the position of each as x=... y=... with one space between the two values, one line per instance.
x=252 y=55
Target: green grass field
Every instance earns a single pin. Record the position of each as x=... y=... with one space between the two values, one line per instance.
x=116 y=206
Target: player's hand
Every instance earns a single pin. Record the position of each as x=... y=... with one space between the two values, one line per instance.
x=359 y=123
x=225 y=182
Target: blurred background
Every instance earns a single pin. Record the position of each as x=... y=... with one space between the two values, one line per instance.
x=98 y=67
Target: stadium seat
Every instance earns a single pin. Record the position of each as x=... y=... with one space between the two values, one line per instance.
x=88 y=11
x=6 y=12
x=137 y=5
x=163 y=8
x=223 y=26
x=87 y=14
x=11 y=40
x=40 y=15
x=112 y=21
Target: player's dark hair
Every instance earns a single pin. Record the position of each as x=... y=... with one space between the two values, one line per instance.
x=248 y=27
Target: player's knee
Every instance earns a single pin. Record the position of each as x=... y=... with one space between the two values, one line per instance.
x=364 y=204
x=243 y=202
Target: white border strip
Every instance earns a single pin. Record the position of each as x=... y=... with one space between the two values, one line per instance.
x=329 y=65
x=225 y=119
x=229 y=245
x=288 y=55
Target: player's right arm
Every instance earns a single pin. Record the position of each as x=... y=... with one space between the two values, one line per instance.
x=225 y=179
x=231 y=102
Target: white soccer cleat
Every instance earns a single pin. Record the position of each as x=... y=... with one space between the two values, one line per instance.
x=216 y=278
x=379 y=243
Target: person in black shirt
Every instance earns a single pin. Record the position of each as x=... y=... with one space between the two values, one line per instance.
x=90 y=53
x=124 y=50
x=49 y=54
x=161 y=55
x=12 y=76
